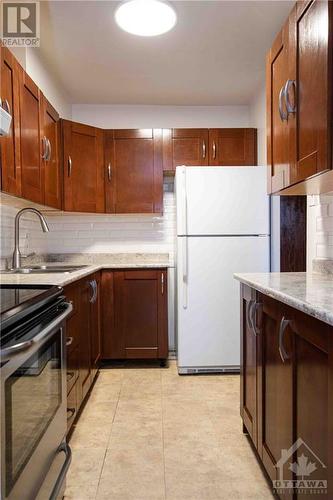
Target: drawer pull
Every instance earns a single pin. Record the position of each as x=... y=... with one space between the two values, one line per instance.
x=283 y=325
x=69 y=341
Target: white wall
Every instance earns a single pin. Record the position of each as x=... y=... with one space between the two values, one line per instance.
x=320 y=228
x=119 y=116
x=258 y=120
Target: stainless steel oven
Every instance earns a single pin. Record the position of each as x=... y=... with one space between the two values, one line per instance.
x=33 y=404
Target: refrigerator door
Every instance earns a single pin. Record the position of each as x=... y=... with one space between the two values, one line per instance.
x=222 y=201
x=208 y=310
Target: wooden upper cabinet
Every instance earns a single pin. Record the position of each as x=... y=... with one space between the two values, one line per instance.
x=10 y=145
x=311 y=61
x=278 y=121
x=30 y=143
x=50 y=135
x=83 y=168
x=233 y=146
x=133 y=171
x=189 y=147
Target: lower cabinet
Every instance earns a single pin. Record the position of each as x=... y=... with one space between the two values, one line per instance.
x=134 y=314
x=83 y=341
x=286 y=394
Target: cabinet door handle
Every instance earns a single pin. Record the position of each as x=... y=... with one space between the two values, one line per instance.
x=95 y=290
x=256 y=307
x=290 y=109
x=109 y=172
x=248 y=314
x=283 y=114
x=69 y=166
x=69 y=341
x=44 y=147
x=92 y=296
x=162 y=283
x=203 y=149
x=283 y=325
x=214 y=150
x=49 y=150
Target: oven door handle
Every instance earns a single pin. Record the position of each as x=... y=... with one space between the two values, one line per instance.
x=63 y=448
x=9 y=352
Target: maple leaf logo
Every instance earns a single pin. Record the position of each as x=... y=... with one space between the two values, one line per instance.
x=303 y=466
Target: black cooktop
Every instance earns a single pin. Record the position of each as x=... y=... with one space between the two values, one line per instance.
x=19 y=301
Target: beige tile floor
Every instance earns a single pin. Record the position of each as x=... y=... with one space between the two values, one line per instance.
x=149 y=434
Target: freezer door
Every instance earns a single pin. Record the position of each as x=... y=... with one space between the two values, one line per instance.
x=208 y=311
x=222 y=201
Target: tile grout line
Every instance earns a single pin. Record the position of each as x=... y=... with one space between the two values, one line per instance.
x=107 y=446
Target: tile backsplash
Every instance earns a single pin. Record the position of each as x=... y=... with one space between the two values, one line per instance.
x=320 y=228
x=72 y=233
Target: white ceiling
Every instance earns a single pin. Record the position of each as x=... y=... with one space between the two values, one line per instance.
x=214 y=56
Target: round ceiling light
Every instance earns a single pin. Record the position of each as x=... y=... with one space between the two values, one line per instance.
x=146 y=17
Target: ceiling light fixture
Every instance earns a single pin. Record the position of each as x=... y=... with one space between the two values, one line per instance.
x=146 y=17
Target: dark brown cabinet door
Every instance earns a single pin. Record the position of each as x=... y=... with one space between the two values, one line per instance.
x=10 y=145
x=189 y=147
x=95 y=327
x=30 y=126
x=85 y=295
x=134 y=171
x=312 y=358
x=232 y=146
x=50 y=130
x=138 y=326
x=249 y=362
x=309 y=52
x=276 y=397
x=278 y=121
x=83 y=168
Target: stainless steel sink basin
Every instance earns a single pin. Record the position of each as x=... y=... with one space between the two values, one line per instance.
x=45 y=269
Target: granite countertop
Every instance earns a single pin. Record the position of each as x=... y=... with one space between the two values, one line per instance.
x=311 y=293
x=94 y=263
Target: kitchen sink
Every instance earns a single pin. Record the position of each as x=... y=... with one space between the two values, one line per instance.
x=44 y=269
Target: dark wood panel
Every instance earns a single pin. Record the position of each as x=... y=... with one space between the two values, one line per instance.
x=134 y=173
x=95 y=325
x=83 y=168
x=139 y=133
x=189 y=147
x=112 y=344
x=233 y=146
x=10 y=145
x=50 y=131
x=309 y=49
x=31 y=164
x=293 y=233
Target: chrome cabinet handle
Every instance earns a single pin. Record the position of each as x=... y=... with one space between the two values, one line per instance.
x=162 y=283
x=283 y=325
x=63 y=448
x=290 y=109
x=109 y=172
x=93 y=285
x=248 y=314
x=95 y=290
x=203 y=149
x=69 y=341
x=45 y=150
x=283 y=114
x=214 y=150
x=255 y=308
x=69 y=166
x=49 y=150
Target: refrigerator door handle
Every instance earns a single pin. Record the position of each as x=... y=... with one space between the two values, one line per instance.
x=184 y=211
x=185 y=273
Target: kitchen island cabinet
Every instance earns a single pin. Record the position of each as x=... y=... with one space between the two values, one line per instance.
x=286 y=387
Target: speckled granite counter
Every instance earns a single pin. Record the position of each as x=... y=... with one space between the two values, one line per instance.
x=311 y=293
x=96 y=263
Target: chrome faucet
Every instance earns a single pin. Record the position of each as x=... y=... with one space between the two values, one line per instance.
x=45 y=228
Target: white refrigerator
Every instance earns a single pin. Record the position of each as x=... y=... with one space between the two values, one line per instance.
x=222 y=228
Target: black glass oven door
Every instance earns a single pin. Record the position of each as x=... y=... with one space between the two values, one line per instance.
x=33 y=395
